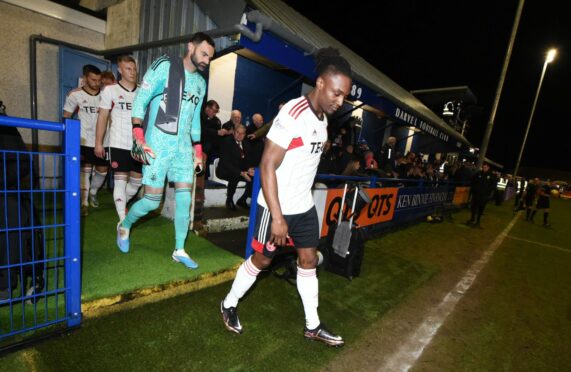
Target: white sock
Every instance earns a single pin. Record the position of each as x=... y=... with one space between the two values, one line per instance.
x=133 y=187
x=245 y=278
x=97 y=180
x=308 y=288
x=84 y=175
x=120 y=197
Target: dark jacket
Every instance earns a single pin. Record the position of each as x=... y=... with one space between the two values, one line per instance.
x=483 y=184
x=209 y=129
x=232 y=162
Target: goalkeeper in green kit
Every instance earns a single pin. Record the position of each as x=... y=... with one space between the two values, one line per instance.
x=166 y=137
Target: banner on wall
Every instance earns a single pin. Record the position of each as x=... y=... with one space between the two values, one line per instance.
x=461 y=195
x=417 y=198
x=380 y=209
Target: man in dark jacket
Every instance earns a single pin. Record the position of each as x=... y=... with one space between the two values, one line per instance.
x=482 y=186
x=387 y=156
x=235 y=166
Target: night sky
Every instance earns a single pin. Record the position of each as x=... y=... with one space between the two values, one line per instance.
x=435 y=44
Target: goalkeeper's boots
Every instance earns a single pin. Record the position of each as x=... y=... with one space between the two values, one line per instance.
x=122 y=238
x=322 y=334
x=179 y=255
x=230 y=318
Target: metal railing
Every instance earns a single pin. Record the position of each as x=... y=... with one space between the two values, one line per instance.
x=40 y=276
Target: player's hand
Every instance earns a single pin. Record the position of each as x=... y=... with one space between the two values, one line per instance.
x=198 y=162
x=140 y=150
x=99 y=151
x=246 y=176
x=279 y=231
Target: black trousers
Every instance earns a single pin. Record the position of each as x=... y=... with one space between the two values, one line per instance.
x=233 y=180
x=478 y=205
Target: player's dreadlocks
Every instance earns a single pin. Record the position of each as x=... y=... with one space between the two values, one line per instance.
x=328 y=60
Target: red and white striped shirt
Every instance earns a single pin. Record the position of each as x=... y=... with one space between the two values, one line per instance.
x=297 y=129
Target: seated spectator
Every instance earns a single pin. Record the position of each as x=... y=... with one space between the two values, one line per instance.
x=353 y=168
x=415 y=172
x=328 y=161
x=235 y=166
x=346 y=157
x=371 y=167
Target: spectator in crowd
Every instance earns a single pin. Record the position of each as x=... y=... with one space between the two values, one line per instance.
x=346 y=156
x=328 y=161
x=236 y=166
x=263 y=130
x=210 y=127
x=235 y=120
x=483 y=185
x=256 y=144
x=387 y=156
x=370 y=165
x=85 y=102
x=353 y=168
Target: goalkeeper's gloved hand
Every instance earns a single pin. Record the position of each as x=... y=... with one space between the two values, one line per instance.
x=198 y=165
x=140 y=151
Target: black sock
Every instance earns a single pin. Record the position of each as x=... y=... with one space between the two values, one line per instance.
x=545 y=215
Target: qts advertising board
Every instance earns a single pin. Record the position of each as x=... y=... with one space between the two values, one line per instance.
x=380 y=209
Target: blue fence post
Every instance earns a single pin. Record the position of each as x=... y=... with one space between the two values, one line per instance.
x=72 y=234
x=253 y=210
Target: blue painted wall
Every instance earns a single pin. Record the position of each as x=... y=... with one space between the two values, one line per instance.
x=260 y=89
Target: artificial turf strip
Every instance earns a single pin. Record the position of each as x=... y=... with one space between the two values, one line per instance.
x=108 y=272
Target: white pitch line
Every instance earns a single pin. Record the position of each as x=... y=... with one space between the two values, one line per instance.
x=412 y=349
x=541 y=244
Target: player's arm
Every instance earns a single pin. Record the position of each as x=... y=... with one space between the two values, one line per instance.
x=152 y=85
x=271 y=160
x=69 y=106
x=100 y=130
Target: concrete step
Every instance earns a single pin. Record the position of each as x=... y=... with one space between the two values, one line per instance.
x=216 y=216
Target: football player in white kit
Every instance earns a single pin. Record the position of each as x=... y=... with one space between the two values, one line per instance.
x=117 y=99
x=286 y=211
x=85 y=102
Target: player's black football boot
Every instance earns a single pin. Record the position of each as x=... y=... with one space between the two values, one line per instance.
x=322 y=334
x=230 y=318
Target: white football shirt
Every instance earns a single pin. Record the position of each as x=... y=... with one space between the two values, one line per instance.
x=119 y=100
x=297 y=129
x=86 y=105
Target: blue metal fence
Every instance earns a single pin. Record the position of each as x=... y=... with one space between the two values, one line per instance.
x=40 y=277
